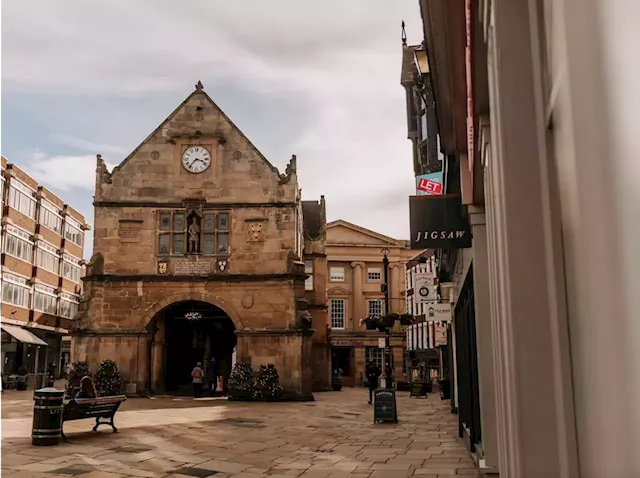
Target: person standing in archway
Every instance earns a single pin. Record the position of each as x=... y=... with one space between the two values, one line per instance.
x=197 y=376
x=211 y=376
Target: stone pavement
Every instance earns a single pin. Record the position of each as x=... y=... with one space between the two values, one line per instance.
x=332 y=437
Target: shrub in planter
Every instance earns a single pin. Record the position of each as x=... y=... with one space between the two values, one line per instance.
x=76 y=372
x=267 y=385
x=241 y=382
x=108 y=381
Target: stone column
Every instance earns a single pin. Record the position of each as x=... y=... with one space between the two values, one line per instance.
x=484 y=339
x=157 y=365
x=357 y=300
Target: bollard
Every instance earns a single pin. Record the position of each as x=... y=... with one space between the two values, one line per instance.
x=47 y=417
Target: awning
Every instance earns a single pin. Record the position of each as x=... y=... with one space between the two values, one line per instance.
x=22 y=335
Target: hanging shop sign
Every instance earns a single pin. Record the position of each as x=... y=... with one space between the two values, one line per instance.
x=424 y=287
x=437 y=222
x=438 y=313
x=429 y=184
x=440 y=335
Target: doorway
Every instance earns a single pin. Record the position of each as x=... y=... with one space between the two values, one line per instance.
x=342 y=359
x=197 y=332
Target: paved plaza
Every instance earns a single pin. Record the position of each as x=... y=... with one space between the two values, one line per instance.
x=167 y=437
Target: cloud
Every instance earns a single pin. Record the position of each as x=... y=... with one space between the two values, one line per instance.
x=83 y=145
x=341 y=60
x=61 y=172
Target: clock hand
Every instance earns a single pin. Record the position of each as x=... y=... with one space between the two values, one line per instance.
x=193 y=162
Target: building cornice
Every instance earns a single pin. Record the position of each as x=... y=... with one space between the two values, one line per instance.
x=219 y=277
x=180 y=205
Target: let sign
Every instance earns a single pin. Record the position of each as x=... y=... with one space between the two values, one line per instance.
x=428 y=186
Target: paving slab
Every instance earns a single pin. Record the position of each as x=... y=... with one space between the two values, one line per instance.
x=333 y=437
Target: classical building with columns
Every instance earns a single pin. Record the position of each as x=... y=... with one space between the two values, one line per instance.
x=354 y=290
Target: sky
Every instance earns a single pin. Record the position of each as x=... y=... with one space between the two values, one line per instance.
x=320 y=80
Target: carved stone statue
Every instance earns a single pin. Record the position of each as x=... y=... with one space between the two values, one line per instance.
x=194 y=236
x=96 y=265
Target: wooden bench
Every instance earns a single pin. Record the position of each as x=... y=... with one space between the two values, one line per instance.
x=103 y=409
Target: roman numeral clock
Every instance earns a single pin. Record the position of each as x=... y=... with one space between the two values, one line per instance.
x=196 y=159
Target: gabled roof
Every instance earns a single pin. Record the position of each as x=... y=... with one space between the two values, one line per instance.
x=367 y=232
x=198 y=91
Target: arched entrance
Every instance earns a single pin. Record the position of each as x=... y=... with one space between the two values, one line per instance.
x=192 y=331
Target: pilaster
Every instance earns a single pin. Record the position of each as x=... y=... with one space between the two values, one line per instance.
x=358 y=305
x=484 y=339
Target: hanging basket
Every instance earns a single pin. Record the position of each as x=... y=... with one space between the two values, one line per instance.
x=406 y=319
x=371 y=323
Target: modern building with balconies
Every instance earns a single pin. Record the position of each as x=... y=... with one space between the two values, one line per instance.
x=42 y=266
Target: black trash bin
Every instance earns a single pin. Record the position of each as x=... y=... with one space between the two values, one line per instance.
x=47 y=417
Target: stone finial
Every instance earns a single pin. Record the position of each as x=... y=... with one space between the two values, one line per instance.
x=323 y=214
x=199 y=86
x=404 y=34
x=102 y=172
x=290 y=171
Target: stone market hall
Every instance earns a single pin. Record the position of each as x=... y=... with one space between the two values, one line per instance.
x=199 y=255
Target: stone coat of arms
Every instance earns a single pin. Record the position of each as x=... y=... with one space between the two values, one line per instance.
x=255 y=231
x=163 y=267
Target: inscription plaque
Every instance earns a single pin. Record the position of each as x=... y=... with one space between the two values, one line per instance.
x=192 y=268
x=129 y=230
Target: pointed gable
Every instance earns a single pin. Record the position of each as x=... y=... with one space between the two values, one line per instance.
x=238 y=170
x=345 y=233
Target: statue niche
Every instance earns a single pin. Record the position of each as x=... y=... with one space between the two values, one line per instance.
x=193 y=233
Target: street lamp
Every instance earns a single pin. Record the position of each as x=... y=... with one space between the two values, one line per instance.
x=387 y=330
x=384 y=409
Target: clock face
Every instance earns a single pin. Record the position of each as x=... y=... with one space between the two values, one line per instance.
x=196 y=159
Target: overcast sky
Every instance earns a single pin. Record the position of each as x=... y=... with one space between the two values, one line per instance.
x=317 y=79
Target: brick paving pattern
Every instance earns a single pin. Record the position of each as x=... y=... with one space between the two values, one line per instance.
x=332 y=437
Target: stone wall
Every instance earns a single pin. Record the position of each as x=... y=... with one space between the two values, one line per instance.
x=259 y=283
x=127 y=237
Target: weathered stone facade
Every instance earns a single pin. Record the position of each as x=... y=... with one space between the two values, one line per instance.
x=253 y=269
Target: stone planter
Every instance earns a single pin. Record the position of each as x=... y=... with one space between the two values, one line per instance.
x=241 y=396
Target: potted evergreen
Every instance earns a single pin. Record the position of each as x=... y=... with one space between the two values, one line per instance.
x=108 y=381
x=241 y=382
x=336 y=380
x=23 y=375
x=267 y=386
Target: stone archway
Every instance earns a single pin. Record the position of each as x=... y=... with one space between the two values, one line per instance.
x=216 y=301
x=170 y=339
